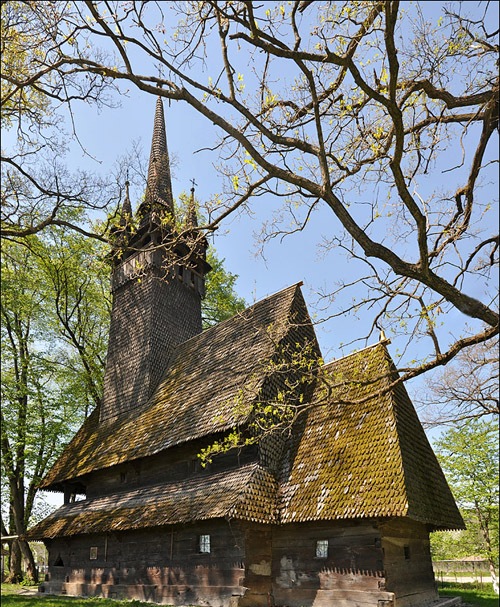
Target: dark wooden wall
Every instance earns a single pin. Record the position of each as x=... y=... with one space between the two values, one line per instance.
x=408 y=562
x=162 y=565
x=372 y=563
x=175 y=464
x=352 y=573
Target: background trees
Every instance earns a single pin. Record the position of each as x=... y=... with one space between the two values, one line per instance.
x=55 y=318
x=469 y=458
x=465 y=389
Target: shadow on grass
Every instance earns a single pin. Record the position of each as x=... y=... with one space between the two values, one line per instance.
x=41 y=600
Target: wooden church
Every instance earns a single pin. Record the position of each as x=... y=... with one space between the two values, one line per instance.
x=334 y=510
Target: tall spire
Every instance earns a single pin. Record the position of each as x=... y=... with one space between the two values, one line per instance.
x=159 y=185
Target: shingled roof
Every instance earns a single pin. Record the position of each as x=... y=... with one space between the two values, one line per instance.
x=247 y=493
x=360 y=452
x=363 y=452
x=199 y=394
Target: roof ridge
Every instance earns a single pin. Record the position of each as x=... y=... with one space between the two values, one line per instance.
x=371 y=346
x=238 y=314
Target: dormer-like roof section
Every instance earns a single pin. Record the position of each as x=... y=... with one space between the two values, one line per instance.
x=208 y=387
x=363 y=452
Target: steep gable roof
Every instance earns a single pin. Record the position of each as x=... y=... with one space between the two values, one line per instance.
x=363 y=452
x=199 y=394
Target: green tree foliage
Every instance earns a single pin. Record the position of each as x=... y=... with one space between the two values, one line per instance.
x=469 y=457
x=21 y=49
x=221 y=301
x=55 y=313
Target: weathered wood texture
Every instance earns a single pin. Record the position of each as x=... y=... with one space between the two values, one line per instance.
x=351 y=574
x=408 y=562
x=178 y=463
x=161 y=565
x=368 y=563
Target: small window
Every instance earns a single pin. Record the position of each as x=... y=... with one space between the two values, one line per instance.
x=93 y=553
x=407 y=553
x=205 y=544
x=322 y=549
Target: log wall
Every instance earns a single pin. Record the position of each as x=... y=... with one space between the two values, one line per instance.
x=368 y=564
x=160 y=565
x=350 y=575
x=408 y=563
x=178 y=463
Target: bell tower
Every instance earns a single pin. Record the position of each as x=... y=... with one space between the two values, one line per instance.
x=158 y=282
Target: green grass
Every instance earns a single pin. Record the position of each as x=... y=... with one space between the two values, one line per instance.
x=471 y=593
x=12 y=597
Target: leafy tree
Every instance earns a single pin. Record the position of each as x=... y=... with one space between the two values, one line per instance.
x=221 y=301
x=469 y=457
x=54 y=329
x=382 y=113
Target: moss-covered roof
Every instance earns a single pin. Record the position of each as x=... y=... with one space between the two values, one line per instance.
x=359 y=450
x=363 y=452
x=247 y=493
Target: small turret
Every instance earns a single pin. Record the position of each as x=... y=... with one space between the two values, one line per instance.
x=191 y=215
x=126 y=213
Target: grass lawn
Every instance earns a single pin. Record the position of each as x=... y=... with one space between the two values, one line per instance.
x=13 y=596
x=471 y=594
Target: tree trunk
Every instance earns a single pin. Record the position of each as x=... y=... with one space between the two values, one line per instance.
x=29 y=560
x=15 y=574
x=494 y=578
x=20 y=551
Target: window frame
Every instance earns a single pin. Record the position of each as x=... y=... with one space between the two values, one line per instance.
x=322 y=549
x=204 y=543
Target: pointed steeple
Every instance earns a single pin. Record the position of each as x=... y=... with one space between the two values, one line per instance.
x=191 y=216
x=158 y=198
x=126 y=213
x=158 y=283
